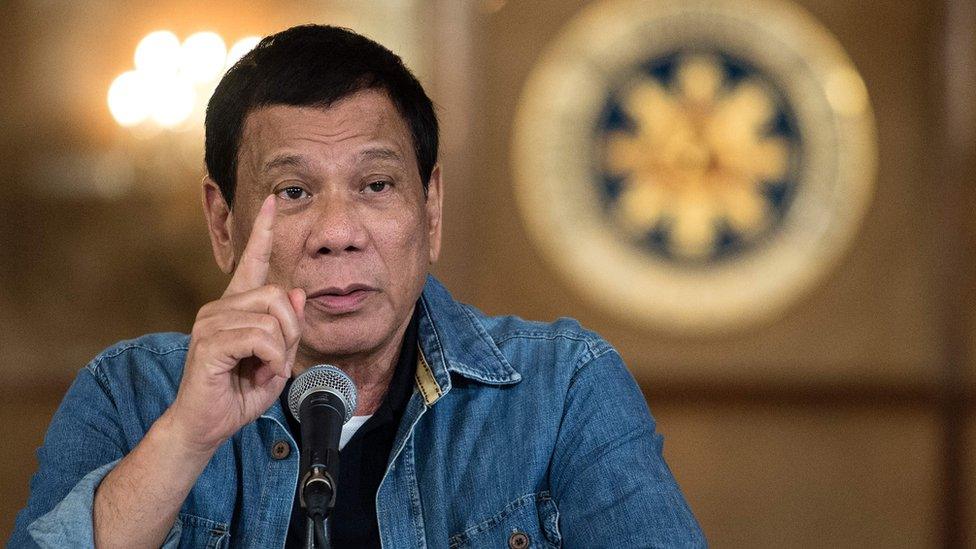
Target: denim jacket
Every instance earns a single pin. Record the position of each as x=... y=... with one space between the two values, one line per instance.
x=517 y=433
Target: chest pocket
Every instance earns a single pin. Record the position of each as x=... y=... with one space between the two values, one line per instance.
x=530 y=521
x=197 y=532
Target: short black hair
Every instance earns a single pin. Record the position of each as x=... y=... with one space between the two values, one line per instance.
x=312 y=65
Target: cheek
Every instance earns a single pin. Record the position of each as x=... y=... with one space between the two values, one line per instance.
x=404 y=240
x=403 y=246
x=286 y=253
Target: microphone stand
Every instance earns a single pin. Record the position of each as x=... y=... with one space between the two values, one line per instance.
x=319 y=399
x=316 y=534
x=317 y=498
x=309 y=533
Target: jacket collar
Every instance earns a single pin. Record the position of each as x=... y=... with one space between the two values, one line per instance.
x=452 y=340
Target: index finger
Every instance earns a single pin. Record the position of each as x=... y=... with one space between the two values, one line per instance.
x=252 y=271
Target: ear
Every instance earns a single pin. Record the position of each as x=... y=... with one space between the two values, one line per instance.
x=435 y=201
x=220 y=222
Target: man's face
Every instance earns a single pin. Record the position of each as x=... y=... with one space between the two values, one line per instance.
x=353 y=227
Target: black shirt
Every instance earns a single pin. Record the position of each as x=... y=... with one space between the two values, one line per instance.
x=362 y=461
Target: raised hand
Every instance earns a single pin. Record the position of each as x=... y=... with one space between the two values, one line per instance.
x=242 y=347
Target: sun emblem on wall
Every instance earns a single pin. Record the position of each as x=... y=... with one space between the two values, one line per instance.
x=698 y=157
x=693 y=166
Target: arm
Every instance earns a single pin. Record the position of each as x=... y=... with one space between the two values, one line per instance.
x=137 y=502
x=609 y=479
x=83 y=442
x=242 y=350
x=84 y=446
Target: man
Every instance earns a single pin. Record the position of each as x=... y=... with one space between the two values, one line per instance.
x=324 y=201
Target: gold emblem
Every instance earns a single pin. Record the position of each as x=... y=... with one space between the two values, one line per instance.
x=693 y=166
x=700 y=155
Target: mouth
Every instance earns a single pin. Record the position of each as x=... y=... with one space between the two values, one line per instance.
x=336 y=300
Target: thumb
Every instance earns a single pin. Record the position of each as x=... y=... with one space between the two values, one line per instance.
x=297 y=298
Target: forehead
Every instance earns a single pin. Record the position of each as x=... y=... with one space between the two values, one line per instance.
x=366 y=119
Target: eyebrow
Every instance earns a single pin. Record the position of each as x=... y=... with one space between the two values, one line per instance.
x=299 y=162
x=380 y=153
x=286 y=161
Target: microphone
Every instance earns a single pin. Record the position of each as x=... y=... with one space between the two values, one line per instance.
x=322 y=399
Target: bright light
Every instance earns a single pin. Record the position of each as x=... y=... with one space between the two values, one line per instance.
x=170 y=77
x=202 y=56
x=240 y=48
x=172 y=101
x=128 y=99
x=158 y=53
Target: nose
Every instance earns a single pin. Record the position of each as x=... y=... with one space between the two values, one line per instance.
x=338 y=226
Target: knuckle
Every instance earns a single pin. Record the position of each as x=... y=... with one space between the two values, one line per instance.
x=270 y=324
x=279 y=353
x=202 y=328
x=274 y=353
x=276 y=292
x=272 y=336
x=269 y=349
x=205 y=311
x=272 y=339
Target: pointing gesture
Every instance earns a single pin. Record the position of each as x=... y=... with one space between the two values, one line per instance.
x=242 y=350
x=252 y=271
x=242 y=347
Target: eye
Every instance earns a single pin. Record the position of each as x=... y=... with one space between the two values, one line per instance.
x=378 y=186
x=292 y=193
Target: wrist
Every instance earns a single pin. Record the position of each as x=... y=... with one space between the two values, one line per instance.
x=171 y=431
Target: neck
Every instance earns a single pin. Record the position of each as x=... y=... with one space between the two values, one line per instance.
x=372 y=380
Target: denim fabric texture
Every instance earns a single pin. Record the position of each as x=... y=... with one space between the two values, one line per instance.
x=516 y=431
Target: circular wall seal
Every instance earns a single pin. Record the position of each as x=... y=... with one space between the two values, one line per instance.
x=694 y=166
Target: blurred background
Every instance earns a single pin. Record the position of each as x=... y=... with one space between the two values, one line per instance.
x=841 y=417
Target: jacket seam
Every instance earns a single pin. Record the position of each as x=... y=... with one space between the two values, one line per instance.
x=583 y=363
x=156 y=351
x=580 y=365
x=100 y=378
x=595 y=347
x=95 y=366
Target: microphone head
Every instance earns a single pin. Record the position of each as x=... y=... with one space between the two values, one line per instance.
x=323 y=377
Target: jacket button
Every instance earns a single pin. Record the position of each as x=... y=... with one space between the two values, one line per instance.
x=518 y=540
x=280 y=450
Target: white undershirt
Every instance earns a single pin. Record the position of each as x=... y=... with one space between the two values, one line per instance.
x=350 y=428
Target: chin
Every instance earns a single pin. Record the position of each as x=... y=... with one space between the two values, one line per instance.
x=346 y=336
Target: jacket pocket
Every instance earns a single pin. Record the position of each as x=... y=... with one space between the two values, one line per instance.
x=198 y=532
x=530 y=521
